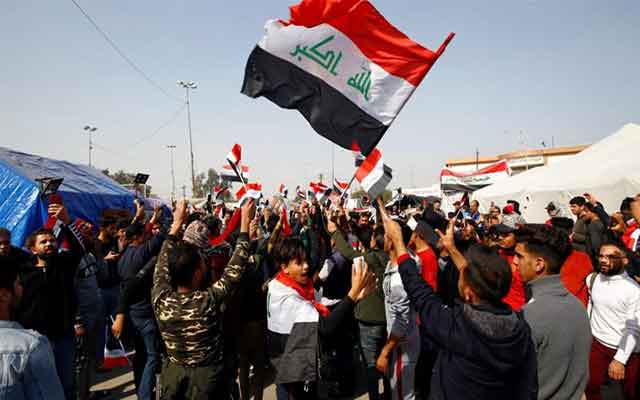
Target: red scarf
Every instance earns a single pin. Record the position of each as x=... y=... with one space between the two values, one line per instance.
x=307 y=292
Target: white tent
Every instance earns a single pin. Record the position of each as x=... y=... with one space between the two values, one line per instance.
x=608 y=169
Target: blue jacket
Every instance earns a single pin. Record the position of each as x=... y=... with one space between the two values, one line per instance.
x=485 y=352
x=27 y=367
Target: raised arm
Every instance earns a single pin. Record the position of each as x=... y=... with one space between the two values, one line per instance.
x=221 y=290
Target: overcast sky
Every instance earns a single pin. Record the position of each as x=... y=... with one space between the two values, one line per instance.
x=563 y=69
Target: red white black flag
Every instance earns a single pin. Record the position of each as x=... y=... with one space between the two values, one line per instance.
x=373 y=174
x=471 y=181
x=228 y=173
x=319 y=190
x=219 y=191
x=283 y=190
x=339 y=186
x=234 y=157
x=340 y=63
x=249 y=191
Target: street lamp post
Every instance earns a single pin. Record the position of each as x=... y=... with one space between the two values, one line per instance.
x=90 y=130
x=171 y=147
x=187 y=86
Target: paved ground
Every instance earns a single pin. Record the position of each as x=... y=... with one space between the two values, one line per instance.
x=120 y=383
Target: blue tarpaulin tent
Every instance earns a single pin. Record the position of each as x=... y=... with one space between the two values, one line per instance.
x=85 y=191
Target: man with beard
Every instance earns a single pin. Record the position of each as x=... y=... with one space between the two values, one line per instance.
x=614 y=311
x=49 y=301
x=189 y=309
x=27 y=368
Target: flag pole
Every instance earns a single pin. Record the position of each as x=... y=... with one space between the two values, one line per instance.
x=238 y=173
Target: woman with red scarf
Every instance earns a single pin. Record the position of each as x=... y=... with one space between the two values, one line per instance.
x=297 y=321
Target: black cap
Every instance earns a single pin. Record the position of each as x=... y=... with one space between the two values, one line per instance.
x=133 y=230
x=503 y=228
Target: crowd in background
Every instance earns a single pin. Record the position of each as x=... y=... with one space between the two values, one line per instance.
x=429 y=305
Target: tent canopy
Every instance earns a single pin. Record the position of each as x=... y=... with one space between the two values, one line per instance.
x=608 y=169
x=85 y=191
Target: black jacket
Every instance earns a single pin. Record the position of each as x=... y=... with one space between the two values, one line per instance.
x=132 y=261
x=485 y=352
x=48 y=299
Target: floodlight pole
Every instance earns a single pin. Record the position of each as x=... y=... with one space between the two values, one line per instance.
x=172 y=147
x=90 y=130
x=187 y=86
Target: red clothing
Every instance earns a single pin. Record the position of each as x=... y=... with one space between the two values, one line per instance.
x=515 y=298
x=630 y=240
x=574 y=273
x=429 y=267
x=599 y=361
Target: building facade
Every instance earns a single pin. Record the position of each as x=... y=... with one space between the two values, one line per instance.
x=518 y=161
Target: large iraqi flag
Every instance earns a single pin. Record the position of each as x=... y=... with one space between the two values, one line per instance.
x=345 y=68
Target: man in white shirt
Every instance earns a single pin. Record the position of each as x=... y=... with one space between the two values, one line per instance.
x=614 y=310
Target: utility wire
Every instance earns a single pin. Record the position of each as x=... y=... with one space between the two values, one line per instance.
x=121 y=54
x=164 y=125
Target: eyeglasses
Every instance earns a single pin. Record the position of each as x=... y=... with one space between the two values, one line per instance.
x=610 y=256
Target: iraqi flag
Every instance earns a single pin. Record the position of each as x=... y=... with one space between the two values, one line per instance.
x=284 y=219
x=234 y=157
x=228 y=173
x=320 y=190
x=451 y=180
x=283 y=190
x=373 y=174
x=219 y=191
x=300 y=193
x=249 y=191
x=340 y=63
x=339 y=186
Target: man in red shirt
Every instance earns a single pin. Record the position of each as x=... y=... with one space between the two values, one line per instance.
x=424 y=240
x=576 y=267
x=507 y=244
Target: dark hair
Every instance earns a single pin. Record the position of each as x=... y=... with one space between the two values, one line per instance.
x=578 y=201
x=488 y=274
x=134 y=230
x=378 y=235
x=590 y=207
x=8 y=276
x=406 y=233
x=516 y=206
x=214 y=224
x=289 y=249
x=364 y=236
x=625 y=206
x=183 y=263
x=122 y=224
x=31 y=240
x=5 y=232
x=548 y=242
x=615 y=242
x=562 y=223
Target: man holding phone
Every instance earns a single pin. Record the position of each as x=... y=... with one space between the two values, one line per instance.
x=49 y=303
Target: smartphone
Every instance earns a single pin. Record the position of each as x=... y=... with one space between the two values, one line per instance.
x=358 y=263
x=412 y=223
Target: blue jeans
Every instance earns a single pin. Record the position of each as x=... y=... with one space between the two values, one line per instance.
x=372 y=340
x=147 y=329
x=109 y=305
x=64 y=353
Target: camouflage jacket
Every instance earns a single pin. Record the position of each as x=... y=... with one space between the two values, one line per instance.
x=191 y=323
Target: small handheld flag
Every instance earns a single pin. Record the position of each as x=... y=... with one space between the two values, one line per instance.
x=373 y=174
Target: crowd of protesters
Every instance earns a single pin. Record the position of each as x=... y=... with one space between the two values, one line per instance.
x=424 y=304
